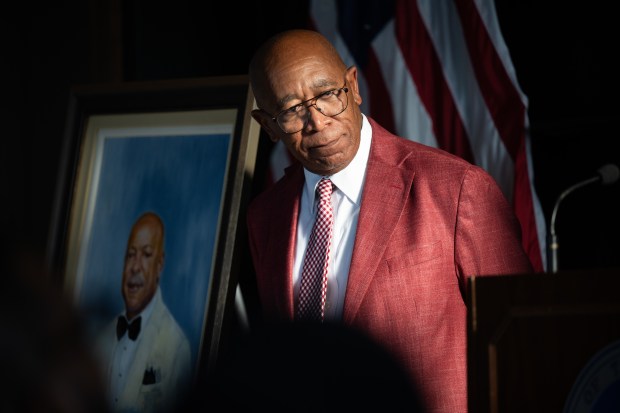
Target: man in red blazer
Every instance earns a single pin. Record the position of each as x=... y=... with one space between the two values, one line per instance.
x=411 y=222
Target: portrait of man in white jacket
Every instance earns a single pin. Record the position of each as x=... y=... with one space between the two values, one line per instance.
x=146 y=354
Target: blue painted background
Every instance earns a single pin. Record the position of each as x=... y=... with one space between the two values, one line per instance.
x=181 y=178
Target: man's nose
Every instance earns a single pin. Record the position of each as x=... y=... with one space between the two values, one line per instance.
x=316 y=118
x=135 y=264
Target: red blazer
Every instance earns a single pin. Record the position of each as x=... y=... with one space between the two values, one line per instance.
x=428 y=220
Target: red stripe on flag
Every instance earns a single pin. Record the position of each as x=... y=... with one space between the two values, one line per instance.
x=509 y=114
x=502 y=98
x=523 y=204
x=426 y=71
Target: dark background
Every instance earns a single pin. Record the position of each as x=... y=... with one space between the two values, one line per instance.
x=564 y=54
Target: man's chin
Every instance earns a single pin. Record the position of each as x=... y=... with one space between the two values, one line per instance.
x=133 y=304
x=326 y=167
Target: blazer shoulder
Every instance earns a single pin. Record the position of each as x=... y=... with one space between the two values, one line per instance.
x=286 y=187
x=395 y=149
x=163 y=327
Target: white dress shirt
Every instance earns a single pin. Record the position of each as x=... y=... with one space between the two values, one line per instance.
x=346 y=200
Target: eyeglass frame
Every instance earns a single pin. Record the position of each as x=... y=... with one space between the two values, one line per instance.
x=313 y=104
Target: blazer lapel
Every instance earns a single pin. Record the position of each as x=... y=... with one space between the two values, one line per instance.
x=386 y=191
x=283 y=239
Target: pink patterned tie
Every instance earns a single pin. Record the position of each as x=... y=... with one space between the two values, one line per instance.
x=313 y=289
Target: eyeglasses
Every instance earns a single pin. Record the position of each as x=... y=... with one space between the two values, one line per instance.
x=330 y=103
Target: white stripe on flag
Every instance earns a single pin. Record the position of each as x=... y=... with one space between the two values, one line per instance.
x=444 y=27
x=410 y=116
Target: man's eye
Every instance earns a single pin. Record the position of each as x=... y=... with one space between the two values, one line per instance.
x=295 y=109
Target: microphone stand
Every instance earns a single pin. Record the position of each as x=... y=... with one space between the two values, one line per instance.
x=552 y=256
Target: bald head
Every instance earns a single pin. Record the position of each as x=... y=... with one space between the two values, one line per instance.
x=155 y=224
x=284 y=49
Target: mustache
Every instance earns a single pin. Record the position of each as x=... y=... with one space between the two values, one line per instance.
x=135 y=280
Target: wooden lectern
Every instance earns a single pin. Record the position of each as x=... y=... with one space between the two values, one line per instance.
x=544 y=342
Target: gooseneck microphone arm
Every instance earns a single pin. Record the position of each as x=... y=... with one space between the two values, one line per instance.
x=553 y=239
x=607 y=174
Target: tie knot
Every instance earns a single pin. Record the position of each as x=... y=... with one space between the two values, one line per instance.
x=325 y=188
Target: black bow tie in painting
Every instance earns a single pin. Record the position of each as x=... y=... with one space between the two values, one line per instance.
x=133 y=328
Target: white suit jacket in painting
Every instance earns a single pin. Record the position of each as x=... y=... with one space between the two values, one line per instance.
x=160 y=375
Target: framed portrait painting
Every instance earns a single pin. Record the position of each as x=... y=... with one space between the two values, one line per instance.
x=182 y=151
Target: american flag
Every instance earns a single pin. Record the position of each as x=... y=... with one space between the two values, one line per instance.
x=439 y=72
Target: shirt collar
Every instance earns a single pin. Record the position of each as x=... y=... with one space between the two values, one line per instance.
x=351 y=179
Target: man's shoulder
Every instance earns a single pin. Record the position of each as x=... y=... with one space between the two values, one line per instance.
x=166 y=325
x=409 y=152
x=287 y=187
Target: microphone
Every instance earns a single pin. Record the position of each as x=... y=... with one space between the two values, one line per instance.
x=606 y=175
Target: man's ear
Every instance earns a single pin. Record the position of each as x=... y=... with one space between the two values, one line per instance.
x=267 y=123
x=351 y=76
